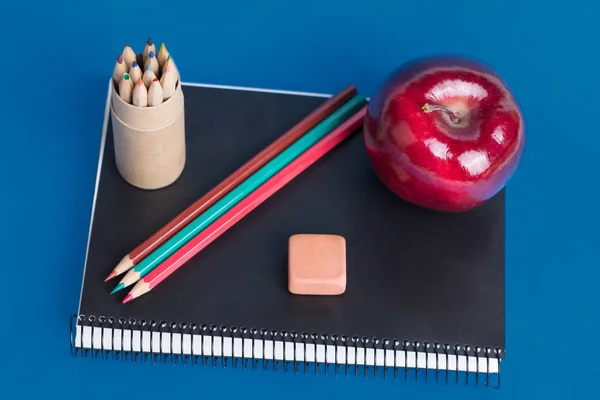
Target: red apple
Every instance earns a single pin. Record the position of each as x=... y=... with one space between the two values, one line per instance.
x=444 y=133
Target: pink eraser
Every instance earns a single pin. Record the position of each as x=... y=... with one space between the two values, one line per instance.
x=316 y=264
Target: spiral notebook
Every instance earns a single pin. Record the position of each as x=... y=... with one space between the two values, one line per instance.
x=425 y=290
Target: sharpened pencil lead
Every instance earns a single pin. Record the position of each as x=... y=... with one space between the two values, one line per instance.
x=120 y=59
x=163 y=47
x=134 y=64
x=126 y=76
x=149 y=41
x=148 y=68
x=110 y=276
x=117 y=288
x=151 y=54
x=127 y=298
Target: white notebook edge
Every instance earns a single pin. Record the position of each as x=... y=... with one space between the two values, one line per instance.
x=321 y=353
x=138 y=341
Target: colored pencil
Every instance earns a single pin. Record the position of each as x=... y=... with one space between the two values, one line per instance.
x=241 y=191
x=168 y=83
x=163 y=55
x=153 y=63
x=119 y=69
x=128 y=55
x=233 y=180
x=126 y=88
x=135 y=73
x=171 y=64
x=148 y=48
x=140 y=94
x=148 y=77
x=155 y=96
x=233 y=216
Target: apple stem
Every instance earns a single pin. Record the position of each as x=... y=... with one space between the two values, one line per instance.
x=454 y=116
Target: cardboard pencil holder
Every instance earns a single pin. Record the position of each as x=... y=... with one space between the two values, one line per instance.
x=149 y=142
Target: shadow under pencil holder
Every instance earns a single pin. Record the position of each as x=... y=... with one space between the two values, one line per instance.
x=149 y=142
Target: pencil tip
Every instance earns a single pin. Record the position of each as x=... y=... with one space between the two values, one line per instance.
x=162 y=47
x=150 y=42
x=140 y=82
x=148 y=67
x=120 y=58
x=117 y=288
x=112 y=275
x=155 y=80
x=134 y=64
x=151 y=54
x=126 y=76
x=167 y=69
x=127 y=298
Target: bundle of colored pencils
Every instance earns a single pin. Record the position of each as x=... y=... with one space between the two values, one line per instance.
x=155 y=84
x=210 y=216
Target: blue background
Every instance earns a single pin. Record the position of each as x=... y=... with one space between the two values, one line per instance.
x=58 y=56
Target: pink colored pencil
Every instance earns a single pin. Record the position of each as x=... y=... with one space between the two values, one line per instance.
x=243 y=208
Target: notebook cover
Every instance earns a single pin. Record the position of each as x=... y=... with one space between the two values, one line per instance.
x=412 y=274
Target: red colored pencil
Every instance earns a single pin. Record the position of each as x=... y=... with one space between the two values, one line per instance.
x=244 y=207
x=233 y=180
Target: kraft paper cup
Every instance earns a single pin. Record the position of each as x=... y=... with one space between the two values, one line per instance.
x=149 y=142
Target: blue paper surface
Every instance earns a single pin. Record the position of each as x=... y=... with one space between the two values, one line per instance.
x=57 y=58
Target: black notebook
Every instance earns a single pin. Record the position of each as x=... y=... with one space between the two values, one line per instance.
x=425 y=290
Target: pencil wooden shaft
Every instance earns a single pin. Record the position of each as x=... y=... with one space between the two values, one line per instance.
x=124 y=265
x=135 y=73
x=155 y=93
x=171 y=64
x=128 y=55
x=153 y=63
x=130 y=278
x=140 y=94
x=119 y=69
x=249 y=168
x=126 y=88
x=139 y=289
x=227 y=220
x=149 y=47
x=148 y=77
x=168 y=82
x=163 y=55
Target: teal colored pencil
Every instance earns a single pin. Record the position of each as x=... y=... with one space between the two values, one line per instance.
x=241 y=191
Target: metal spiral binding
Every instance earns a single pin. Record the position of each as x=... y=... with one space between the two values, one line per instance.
x=338 y=350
